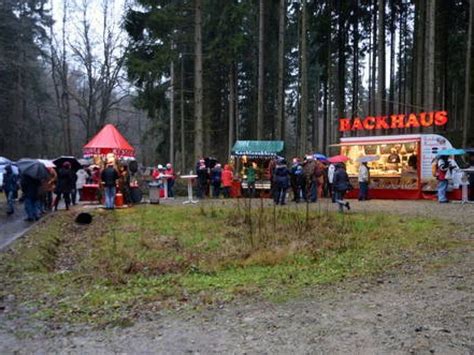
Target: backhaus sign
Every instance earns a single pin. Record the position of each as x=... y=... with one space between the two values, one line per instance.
x=412 y=120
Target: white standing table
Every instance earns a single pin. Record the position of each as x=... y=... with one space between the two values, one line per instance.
x=190 y=179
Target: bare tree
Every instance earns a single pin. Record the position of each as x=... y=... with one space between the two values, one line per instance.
x=98 y=77
x=60 y=77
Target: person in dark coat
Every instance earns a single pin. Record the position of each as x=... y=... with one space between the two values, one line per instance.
x=282 y=181
x=299 y=184
x=340 y=185
x=65 y=186
x=216 y=179
x=109 y=179
x=10 y=188
x=202 y=180
x=30 y=189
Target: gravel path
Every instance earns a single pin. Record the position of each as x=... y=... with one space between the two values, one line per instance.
x=404 y=311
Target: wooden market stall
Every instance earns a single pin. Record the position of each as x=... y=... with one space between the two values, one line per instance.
x=259 y=154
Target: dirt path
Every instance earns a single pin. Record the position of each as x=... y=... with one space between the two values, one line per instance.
x=405 y=311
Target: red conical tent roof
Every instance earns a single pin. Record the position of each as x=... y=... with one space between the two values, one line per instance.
x=109 y=140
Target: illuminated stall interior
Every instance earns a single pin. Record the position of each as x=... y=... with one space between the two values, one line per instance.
x=258 y=154
x=397 y=168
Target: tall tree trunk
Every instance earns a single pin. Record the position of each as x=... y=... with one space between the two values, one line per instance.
x=374 y=57
x=355 y=63
x=199 y=127
x=328 y=95
x=280 y=129
x=341 y=63
x=181 y=109
x=467 y=84
x=304 y=82
x=172 y=113
x=316 y=120
x=420 y=56
x=261 y=70
x=381 y=60
x=429 y=56
x=231 y=108
x=400 y=77
x=391 y=96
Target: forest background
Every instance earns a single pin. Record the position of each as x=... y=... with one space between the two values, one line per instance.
x=185 y=78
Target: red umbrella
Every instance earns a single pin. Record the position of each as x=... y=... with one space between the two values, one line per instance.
x=338 y=159
x=109 y=140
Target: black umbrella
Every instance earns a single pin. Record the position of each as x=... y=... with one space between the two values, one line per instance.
x=75 y=165
x=32 y=168
x=210 y=162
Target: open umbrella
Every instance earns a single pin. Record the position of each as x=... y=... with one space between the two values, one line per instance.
x=338 y=159
x=47 y=163
x=75 y=165
x=451 y=151
x=368 y=158
x=320 y=156
x=5 y=161
x=32 y=168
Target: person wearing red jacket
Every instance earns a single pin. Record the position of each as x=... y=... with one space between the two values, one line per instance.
x=227 y=178
x=170 y=171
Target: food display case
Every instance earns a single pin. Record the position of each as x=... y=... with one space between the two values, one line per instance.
x=403 y=170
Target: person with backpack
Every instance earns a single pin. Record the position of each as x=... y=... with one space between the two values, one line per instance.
x=443 y=173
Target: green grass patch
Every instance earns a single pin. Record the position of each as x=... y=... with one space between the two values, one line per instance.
x=154 y=257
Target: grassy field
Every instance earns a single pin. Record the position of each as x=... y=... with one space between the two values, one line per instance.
x=153 y=257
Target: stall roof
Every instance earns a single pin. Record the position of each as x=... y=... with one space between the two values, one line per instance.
x=258 y=148
x=402 y=138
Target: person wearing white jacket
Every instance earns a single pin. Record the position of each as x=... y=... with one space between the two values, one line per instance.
x=363 y=182
x=331 y=170
x=81 y=181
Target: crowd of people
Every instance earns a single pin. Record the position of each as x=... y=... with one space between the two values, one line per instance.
x=308 y=179
x=63 y=184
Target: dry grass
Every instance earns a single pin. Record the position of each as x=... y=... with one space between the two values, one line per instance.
x=161 y=256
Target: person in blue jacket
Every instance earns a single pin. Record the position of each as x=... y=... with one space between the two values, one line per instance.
x=282 y=181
